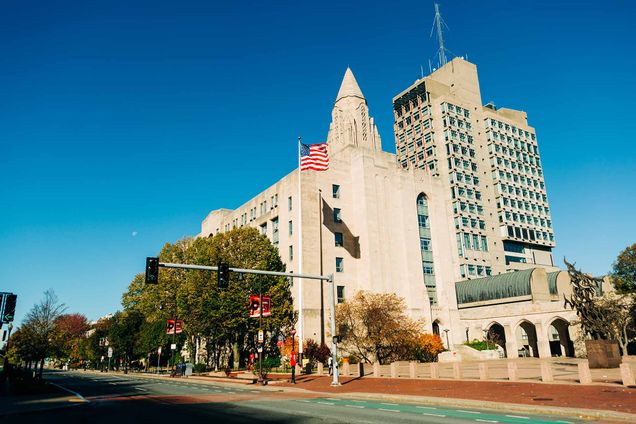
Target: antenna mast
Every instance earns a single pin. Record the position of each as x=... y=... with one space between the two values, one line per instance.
x=437 y=24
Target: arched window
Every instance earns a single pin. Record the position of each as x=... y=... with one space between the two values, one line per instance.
x=426 y=247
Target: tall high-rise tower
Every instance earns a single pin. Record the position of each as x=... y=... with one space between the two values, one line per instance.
x=489 y=161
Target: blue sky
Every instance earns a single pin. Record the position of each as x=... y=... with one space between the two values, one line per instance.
x=141 y=117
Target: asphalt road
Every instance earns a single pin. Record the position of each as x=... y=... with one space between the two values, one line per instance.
x=117 y=399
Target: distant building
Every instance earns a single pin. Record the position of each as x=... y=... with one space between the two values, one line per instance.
x=457 y=202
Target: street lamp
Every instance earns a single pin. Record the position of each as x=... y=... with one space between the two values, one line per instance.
x=447 y=342
x=293 y=356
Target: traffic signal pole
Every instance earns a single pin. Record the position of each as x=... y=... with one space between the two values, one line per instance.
x=329 y=278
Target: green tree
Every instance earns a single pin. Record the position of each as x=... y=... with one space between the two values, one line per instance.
x=124 y=336
x=624 y=270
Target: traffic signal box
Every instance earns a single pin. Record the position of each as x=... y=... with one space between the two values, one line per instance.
x=8 y=312
x=223 y=275
x=152 y=270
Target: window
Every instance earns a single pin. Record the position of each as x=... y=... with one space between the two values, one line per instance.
x=339 y=265
x=335 y=190
x=341 y=295
x=275 y=231
x=264 y=228
x=484 y=244
x=339 y=239
x=427 y=267
x=336 y=215
x=291 y=253
x=291 y=228
x=289 y=203
x=425 y=243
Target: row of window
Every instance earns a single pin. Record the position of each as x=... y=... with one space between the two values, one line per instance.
x=525 y=219
x=458 y=177
x=466 y=222
x=519 y=179
x=465 y=164
x=527 y=234
x=514 y=165
x=517 y=157
x=457 y=123
x=470 y=207
x=459 y=136
x=502 y=188
x=449 y=107
x=468 y=241
x=467 y=193
x=522 y=205
x=493 y=123
x=474 y=270
x=516 y=148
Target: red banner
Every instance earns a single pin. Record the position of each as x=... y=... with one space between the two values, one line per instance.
x=170 y=327
x=255 y=306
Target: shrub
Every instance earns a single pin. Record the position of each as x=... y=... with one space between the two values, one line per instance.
x=426 y=347
x=199 y=368
x=316 y=353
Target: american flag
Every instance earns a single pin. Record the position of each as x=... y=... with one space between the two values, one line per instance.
x=314 y=157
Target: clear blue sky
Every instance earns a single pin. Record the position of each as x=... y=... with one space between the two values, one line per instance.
x=127 y=116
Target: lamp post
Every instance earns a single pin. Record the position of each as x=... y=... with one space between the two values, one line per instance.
x=293 y=357
x=447 y=342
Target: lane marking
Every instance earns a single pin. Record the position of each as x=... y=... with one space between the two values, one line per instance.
x=390 y=404
x=486 y=421
x=355 y=406
x=70 y=391
x=470 y=412
x=388 y=410
x=332 y=399
x=433 y=415
x=360 y=401
x=306 y=401
x=523 y=418
x=426 y=407
x=325 y=403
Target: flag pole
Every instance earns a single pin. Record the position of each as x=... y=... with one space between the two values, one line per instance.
x=300 y=258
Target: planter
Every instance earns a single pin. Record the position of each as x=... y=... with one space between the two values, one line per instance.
x=603 y=353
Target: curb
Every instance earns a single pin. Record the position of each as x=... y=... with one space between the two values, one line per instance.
x=499 y=406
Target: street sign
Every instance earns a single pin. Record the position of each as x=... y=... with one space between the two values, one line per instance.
x=255 y=306
x=259 y=349
x=173 y=346
x=170 y=327
x=261 y=336
x=110 y=352
x=159 y=350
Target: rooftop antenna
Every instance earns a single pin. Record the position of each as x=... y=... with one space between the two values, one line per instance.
x=437 y=26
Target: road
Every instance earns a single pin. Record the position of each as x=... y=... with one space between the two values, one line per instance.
x=116 y=399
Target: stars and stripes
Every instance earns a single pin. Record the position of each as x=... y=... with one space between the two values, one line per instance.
x=314 y=157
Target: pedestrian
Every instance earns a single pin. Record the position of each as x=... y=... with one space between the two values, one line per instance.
x=330 y=365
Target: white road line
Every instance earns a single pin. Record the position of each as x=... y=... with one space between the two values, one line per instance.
x=70 y=391
x=426 y=407
x=139 y=388
x=360 y=401
x=302 y=400
x=433 y=415
x=468 y=412
x=332 y=399
x=518 y=416
x=255 y=391
x=390 y=404
x=218 y=391
x=325 y=403
x=486 y=421
x=355 y=406
x=388 y=410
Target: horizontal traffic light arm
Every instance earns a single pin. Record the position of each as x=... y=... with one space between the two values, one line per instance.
x=328 y=278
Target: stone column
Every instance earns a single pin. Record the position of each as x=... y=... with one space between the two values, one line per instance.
x=413 y=369
x=320 y=368
x=457 y=370
x=512 y=350
x=346 y=369
x=627 y=375
x=513 y=371
x=546 y=372
x=543 y=340
x=434 y=370
x=376 y=369
x=483 y=371
x=394 y=370
x=585 y=376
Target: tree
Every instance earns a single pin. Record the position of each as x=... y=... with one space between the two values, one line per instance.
x=624 y=270
x=315 y=352
x=123 y=335
x=39 y=327
x=67 y=336
x=427 y=347
x=375 y=327
x=617 y=322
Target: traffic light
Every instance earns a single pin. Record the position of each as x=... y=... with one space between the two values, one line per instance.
x=223 y=275
x=152 y=270
x=9 y=307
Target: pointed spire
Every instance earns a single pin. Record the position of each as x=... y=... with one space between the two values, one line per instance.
x=349 y=87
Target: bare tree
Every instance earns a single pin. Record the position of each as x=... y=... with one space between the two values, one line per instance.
x=40 y=325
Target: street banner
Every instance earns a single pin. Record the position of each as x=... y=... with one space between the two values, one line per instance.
x=255 y=305
x=170 y=327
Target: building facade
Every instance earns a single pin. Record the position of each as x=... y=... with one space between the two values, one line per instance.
x=419 y=223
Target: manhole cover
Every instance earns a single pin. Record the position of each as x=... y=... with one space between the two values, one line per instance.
x=541 y=398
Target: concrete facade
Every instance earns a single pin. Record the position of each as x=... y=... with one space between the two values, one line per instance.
x=396 y=223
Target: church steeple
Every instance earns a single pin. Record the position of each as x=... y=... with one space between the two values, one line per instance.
x=351 y=123
x=349 y=87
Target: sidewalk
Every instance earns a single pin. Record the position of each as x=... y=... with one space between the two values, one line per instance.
x=597 y=401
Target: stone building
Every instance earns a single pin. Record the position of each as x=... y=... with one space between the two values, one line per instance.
x=438 y=224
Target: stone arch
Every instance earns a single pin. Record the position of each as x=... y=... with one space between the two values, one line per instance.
x=436 y=327
x=496 y=333
x=562 y=345
x=526 y=334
